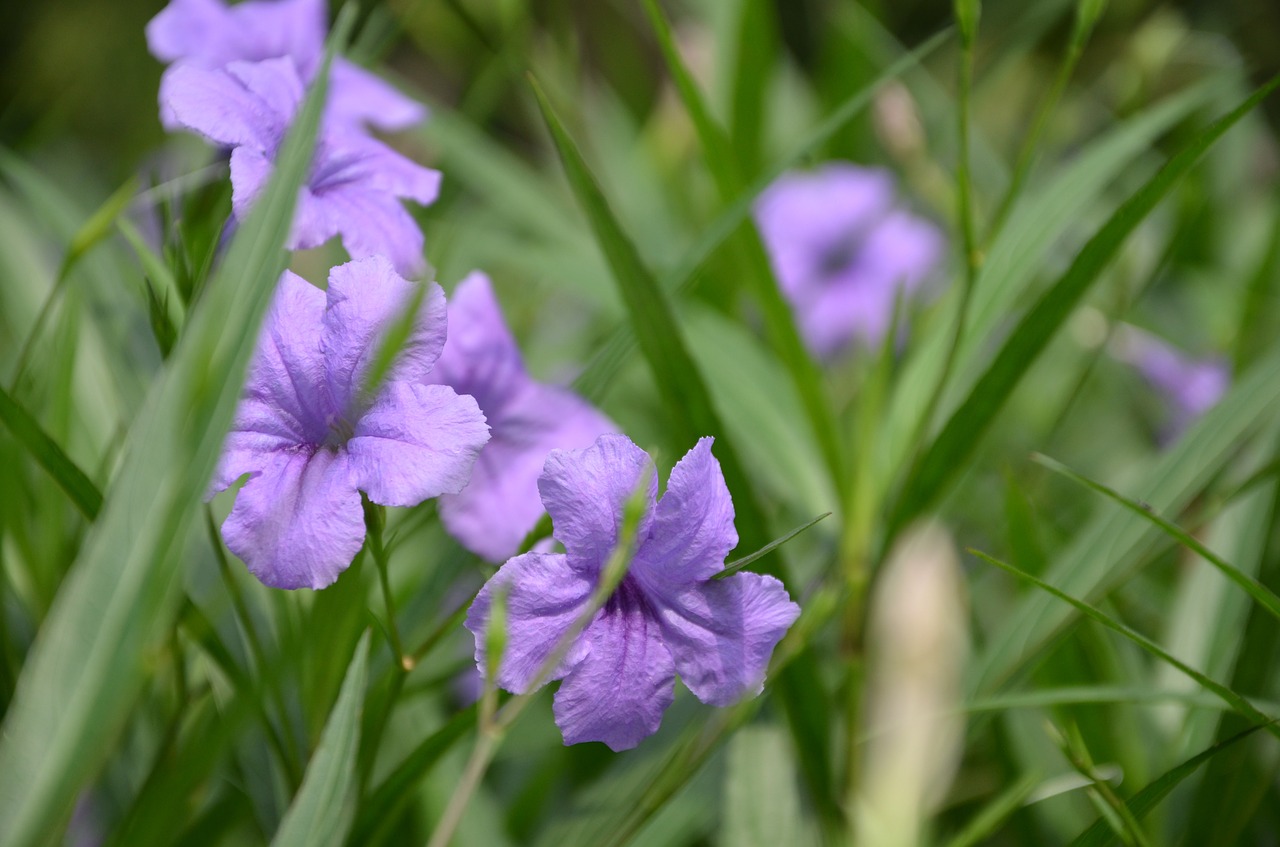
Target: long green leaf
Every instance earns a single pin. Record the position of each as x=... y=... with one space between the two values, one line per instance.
x=1259 y=592
x=321 y=813
x=1101 y=834
x=83 y=493
x=1237 y=702
x=679 y=382
x=960 y=435
x=722 y=160
x=88 y=662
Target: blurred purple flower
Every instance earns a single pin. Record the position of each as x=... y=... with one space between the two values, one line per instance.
x=209 y=34
x=667 y=615
x=527 y=419
x=355 y=185
x=311 y=437
x=1190 y=386
x=842 y=250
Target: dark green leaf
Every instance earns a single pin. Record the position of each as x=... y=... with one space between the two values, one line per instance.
x=27 y=430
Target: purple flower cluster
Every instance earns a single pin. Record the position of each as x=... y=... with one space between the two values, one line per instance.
x=238 y=79
x=326 y=419
x=844 y=251
x=668 y=615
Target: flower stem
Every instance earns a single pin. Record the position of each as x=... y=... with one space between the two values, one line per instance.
x=374 y=520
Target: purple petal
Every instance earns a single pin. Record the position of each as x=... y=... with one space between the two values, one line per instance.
x=185 y=28
x=209 y=34
x=500 y=505
x=358 y=96
x=692 y=528
x=416 y=442
x=217 y=106
x=275 y=82
x=722 y=633
x=620 y=688
x=283 y=403
x=585 y=491
x=298 y=523
x=367 y=298
x=544 y=598
x=250 y=170
x=371 y=223
x=481 y=357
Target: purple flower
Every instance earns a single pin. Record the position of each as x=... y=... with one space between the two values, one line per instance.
x=667 y=615
x=527 y=419
x=211 y=35
x=1190 y=386
x=842 y=250
x=355 y=185
x=311 y=437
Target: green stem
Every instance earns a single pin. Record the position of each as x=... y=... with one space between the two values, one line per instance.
x=374 y=521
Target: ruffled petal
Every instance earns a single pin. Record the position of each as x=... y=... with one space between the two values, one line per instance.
x=692 y=528
x=500 y=505
x=273 y=81
x=620 y=688
x=297 y=523
x=416 y=442
x=358 y=96
x=481 y=357
x=375 y=223
x=367 y=298
x=544 y=598
x=585 y=491
x=216 y=105
x=723 y=631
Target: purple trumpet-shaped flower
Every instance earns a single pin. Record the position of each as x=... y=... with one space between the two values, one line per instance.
x=211 y=35
x=355 y=185
x=842 y=250
x=311 y=436
x=667 y=615
x=1190 y=386
x=527 y=419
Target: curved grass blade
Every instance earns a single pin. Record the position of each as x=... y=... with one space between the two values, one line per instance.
x=1101 y=834
x=738 y=564
x=1259 y=592
x=27 y=430
x=87 y=664
x=723 y=162
x=678 y=379
x=962 y=432
x=988 y=821
x=1237 y=702
x=601 y=372
x=321 y=813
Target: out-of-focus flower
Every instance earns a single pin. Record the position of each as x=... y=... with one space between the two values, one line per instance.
x=1190 y=386
x=355 y=186
x=844 y=251
x=668 y=613
x=527 y=419
x=209 y=34
x=312 y=436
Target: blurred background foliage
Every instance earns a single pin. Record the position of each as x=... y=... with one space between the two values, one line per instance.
x=78 y=121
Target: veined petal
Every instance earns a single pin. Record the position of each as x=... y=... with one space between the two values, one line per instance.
x=375 y=223
x=298 y=523
x=273 y=81
x=416 y=442
x=358 y=96
x=367 y=298
x=544 y=598
x=216 y=105
x=620 y=688
x=498 y=508
x=692 y=528
x=585 y=491
x=722 y=633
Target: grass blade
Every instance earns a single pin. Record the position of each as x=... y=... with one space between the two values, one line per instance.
x=321 y=813
x=87 y=664
x=680 y=383
x=27 y=430
x=992 y=816
x=1237 y=702
x=1259 y=592
x=962 y=432
x=738 y=564
x=1148 y=798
